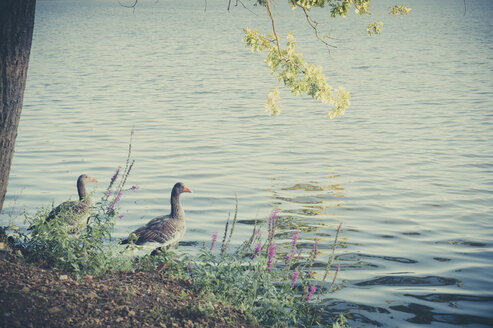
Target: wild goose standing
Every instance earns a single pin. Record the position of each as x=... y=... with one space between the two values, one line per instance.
x=73 y=212
x=164 y=230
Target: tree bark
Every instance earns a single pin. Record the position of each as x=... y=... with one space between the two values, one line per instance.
x=16 y=32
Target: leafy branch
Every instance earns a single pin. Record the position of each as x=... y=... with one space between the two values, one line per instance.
x=295 y=73
x=289 y=65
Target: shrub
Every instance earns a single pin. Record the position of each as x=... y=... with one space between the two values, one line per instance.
x=278 y=289
x=87 y=250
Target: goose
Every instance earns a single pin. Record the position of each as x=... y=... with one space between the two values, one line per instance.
x=75 y=213
x=163 y=231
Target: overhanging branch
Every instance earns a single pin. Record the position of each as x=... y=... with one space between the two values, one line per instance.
x=314 y=25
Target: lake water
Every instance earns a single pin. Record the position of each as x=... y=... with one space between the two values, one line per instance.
x=408 y=170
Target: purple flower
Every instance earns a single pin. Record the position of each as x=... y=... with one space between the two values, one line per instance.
x=315 y=247
x=294 y=278
x=272 y=223
x=338 y=268
x=313 y=289
x=120 y=216
x=117 y=199
x=110 y=192
x=296 y=234
x=257 y=250
x=111 y=207
x=340 y=226
x=272 y=252
x=214 y=238
x=134 y=188
x=113 y=178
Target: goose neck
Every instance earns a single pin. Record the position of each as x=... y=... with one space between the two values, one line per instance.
x=176 y=209
x=81 y=188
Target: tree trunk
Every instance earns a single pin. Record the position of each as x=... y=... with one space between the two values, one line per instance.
x=16 y=32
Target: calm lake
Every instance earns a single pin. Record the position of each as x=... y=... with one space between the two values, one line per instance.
x=408 y=170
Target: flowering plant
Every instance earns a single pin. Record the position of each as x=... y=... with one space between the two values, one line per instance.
x=88 y=249
x=279 y=289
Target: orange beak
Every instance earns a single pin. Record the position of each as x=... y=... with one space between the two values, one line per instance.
x=186 y=190
x=93 y=180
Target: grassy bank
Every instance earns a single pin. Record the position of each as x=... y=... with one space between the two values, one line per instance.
x=59 y=270
x=31 y=296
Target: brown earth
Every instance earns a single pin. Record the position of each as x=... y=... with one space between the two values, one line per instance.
x=31 y=296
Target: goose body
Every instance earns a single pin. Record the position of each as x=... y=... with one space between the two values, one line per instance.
x=167 y=230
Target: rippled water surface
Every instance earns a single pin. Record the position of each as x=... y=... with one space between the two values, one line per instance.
x=408 y=169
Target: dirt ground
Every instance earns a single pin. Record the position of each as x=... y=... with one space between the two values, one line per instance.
x=31 y=296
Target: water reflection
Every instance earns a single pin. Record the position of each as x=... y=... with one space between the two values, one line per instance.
x=410 y=281
x=311 y=208
x=362 y=260
x=354 y=312
x=451 y=298
x=422 y=314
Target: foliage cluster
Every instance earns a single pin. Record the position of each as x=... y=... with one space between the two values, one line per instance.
x=295 y=73
x=278 y=288
x=290 y=67
x=87 y=250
